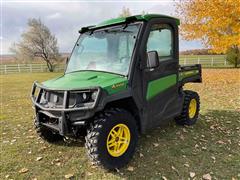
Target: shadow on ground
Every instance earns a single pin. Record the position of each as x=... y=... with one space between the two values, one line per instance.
x=173 y=151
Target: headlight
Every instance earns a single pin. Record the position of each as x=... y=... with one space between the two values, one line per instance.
x=78 y=98
x=83 y=97
x=55 y=98
x=43 y=99
x=94 y=95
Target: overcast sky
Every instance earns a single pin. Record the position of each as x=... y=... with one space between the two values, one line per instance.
x=65 y=18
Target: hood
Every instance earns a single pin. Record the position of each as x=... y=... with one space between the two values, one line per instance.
x=112 y=83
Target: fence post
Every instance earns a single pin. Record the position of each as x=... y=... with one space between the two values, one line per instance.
x=185 y=61
x=225 y=62
x=212 y=62
x=19 y=68
x=5 y=69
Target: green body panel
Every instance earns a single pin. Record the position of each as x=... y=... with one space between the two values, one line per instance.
x=112 y=83
x=145 y=17
x=186 y=74
x=159 y=85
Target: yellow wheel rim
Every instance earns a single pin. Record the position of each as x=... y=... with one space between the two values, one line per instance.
x=192 y=109
x=118 y=140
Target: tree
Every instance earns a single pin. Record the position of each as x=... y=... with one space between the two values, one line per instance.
x=37 y=42
x=233 y=56
x=144 y=13
x=125 y=12
x=215 y=22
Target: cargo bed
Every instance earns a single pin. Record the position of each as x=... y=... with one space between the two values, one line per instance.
x=190 y=73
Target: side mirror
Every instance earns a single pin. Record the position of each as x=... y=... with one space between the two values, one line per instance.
x=152 y=61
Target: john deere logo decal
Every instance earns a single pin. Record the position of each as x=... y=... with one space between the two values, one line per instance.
x=117 y=85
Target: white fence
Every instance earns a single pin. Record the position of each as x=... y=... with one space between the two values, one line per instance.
x=18 y=68
x=206 y=61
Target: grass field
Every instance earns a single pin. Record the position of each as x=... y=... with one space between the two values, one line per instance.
x=211 y=147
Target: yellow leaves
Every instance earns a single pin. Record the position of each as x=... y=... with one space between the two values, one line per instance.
x=207 y=177
x=23 y=170
x=69 y=176
x=192 y=174
x=216 y=23
x=130 y=168
x=39 y=158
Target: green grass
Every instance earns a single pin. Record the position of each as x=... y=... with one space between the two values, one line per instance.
x=211 y=146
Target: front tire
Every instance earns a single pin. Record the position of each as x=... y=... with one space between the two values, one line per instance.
x=111 y=139
x=190 y=111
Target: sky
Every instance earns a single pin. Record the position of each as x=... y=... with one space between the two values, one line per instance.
x=64 y=18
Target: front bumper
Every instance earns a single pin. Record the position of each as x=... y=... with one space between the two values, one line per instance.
x=61 y=118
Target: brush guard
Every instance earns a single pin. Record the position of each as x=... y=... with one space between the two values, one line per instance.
x=60 y=114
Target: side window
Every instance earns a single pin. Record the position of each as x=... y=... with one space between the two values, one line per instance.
x=161 y=40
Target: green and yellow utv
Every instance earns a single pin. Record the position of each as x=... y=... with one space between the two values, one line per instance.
x=122 y=79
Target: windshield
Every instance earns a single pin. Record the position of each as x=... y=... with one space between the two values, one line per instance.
x=104 y=50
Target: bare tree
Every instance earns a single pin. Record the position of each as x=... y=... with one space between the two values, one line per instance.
x=125 y=12
x=144 y=12
x=37 y=42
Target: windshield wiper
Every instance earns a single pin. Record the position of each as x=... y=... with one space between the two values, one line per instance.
x=97 y=71
x=117 y=31
x=85 y=29
x=129 y=20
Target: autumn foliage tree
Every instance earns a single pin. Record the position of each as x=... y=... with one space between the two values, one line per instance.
x=37 y=42
x=215 y=22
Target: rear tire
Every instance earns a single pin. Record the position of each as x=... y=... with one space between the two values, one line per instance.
x=190 y=111
x=112 y=138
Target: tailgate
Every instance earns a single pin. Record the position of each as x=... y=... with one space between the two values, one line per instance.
x=192 y=73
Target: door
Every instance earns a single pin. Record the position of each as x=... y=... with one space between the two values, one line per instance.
x=160 y=88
